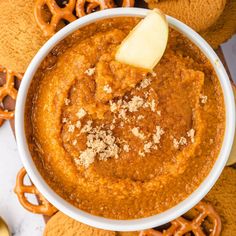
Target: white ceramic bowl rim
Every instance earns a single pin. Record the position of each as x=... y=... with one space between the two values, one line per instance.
x=138 y=224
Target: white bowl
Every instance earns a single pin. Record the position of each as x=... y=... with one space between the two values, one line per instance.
x=143 y=223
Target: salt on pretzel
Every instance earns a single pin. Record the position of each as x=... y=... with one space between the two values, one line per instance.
x=44 y=207
x=182 y=226
x=58 y=14
x=8 y=89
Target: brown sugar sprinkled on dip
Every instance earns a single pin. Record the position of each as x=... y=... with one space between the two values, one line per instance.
x=118 y=141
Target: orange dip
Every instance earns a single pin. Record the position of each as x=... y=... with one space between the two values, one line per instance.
x=115 y=140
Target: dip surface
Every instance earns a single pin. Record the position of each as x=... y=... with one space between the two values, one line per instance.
x=115 y=140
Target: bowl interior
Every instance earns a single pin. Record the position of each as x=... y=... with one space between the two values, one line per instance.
x=143 y=223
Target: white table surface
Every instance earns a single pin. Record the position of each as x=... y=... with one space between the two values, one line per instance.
x=20 y=221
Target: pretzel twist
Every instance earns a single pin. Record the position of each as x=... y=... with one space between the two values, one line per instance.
x=8 y=89
x=181 y=226
x=84 y=7
x=128 y=3
x=1 y=122
x=44 y=207
x=150 y=232
x=58 y=14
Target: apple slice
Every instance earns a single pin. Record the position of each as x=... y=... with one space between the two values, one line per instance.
x=145 y=44
x=232 y=156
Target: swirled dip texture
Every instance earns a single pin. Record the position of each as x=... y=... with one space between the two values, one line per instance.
x=115 y=140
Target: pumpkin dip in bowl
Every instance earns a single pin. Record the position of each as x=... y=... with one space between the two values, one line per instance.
x=117 y=141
